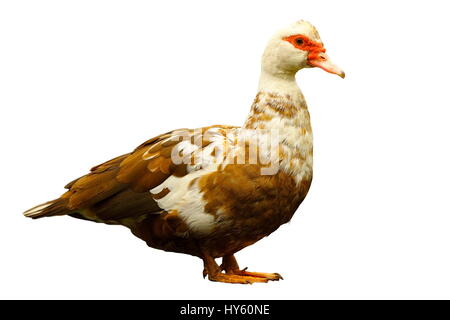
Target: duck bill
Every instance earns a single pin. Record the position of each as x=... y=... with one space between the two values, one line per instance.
x=323 y=61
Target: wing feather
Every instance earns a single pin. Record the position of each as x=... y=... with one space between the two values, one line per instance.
x=119 y=188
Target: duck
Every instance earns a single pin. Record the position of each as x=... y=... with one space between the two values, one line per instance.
x=210 y=192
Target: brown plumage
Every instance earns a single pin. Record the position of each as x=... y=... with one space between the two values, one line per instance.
x=212 y=191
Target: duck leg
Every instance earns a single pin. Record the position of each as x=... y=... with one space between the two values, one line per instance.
x=230 y=266
x=214 y=273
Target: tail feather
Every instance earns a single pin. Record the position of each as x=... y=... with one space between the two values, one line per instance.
x=55 y=207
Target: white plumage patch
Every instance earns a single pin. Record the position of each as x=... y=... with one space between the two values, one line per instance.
x=187 y=200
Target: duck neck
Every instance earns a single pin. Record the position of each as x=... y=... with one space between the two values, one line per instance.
x=278 y=98
x=279 y=82
x=280 y=105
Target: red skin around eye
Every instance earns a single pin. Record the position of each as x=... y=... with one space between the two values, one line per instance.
x=313 y=48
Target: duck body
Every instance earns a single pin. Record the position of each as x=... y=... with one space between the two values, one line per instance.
x=238 y=204
x=212 y=191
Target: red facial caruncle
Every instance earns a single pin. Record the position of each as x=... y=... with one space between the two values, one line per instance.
x=316 y=53
x=304 y=43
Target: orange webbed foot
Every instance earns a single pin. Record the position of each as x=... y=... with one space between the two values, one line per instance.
x=231 y=267
x=229 y=272
x=234 y=278
x=267 y=276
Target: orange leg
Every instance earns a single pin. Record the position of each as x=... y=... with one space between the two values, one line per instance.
x=230 y=266
x=214 y=273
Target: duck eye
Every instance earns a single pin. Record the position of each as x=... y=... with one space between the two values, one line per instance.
x=299 y=41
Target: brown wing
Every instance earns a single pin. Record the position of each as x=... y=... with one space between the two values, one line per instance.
x=119 y=188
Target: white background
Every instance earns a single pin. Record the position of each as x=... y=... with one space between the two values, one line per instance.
x=84 y=81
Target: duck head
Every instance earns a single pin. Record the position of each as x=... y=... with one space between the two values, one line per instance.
x=296 y=47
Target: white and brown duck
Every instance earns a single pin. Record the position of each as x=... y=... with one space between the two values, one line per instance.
x=213 y=191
